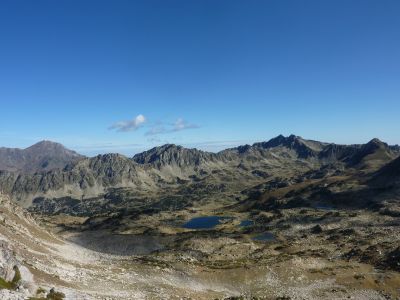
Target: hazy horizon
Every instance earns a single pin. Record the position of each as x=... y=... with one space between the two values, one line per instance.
x=132 y=149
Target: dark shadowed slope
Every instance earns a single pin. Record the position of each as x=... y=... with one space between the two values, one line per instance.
x=389 y=175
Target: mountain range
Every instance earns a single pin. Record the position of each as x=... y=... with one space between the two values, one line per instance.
x=49 y=170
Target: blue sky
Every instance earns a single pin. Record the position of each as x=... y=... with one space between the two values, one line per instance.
x=123 y=76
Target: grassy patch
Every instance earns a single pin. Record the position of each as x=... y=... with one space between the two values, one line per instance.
x=40 y=290
x=17 y=277
x=5 y=284
x=13 y=284
x=52 y=295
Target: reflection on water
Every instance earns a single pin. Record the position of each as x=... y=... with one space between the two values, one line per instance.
x=207 y=222
x=322 y=206
x=264 y=237
x=246 y=223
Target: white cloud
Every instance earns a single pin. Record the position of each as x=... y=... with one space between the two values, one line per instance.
x=157 y=129
x=130 y=125
x=179 y=125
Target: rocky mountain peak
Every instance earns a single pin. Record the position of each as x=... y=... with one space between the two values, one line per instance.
x=42 y=156
x=110 y=157
x=375 y=143
x=374 y=152
x=111 y=161
x=171 y=154
x=46 y=144
x=49 y=148
x=304 y=148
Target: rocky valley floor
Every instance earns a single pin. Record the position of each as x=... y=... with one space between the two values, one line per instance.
x=315 y=253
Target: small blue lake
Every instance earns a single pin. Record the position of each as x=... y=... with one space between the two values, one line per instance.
x=246 y=223
x=264 y=237
x=207 y=222
x=324 y=207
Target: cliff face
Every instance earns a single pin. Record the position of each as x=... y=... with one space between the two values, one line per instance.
x=89 y=177
x=175 y=156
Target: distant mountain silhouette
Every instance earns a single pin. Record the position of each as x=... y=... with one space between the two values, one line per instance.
x=43 y=156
